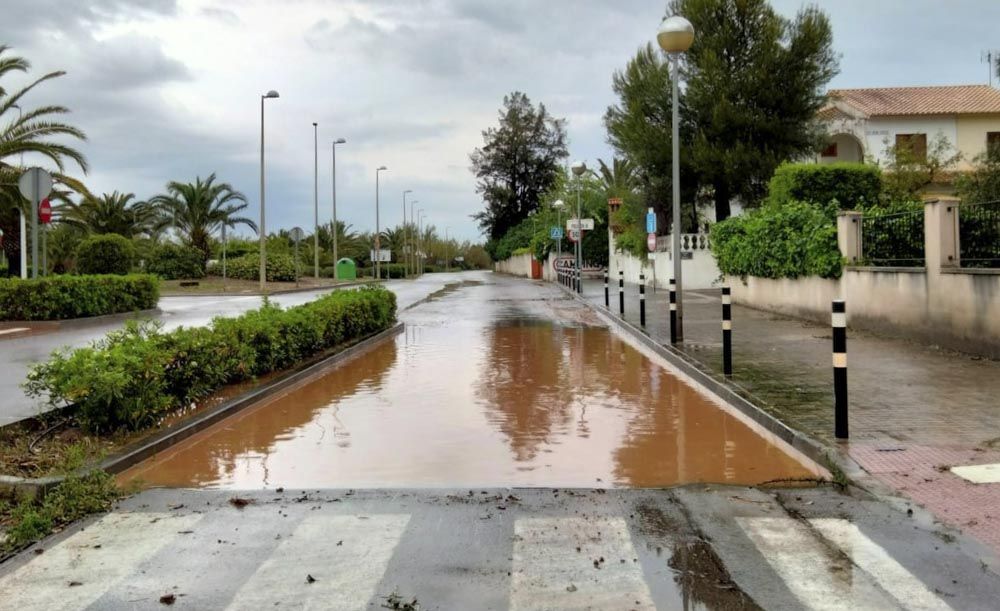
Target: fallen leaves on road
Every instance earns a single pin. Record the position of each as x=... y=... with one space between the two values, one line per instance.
x=310 y=579
x=240 y=503
x=168 y=599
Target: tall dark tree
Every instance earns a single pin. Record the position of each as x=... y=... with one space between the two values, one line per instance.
x=518 y=161
x=754 y=82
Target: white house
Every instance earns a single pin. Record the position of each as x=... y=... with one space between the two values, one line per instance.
x=863 y=122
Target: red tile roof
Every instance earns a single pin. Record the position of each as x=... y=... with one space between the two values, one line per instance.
x=946 y=100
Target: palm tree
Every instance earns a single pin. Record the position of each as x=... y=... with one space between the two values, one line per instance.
x=30 y=130
x=621 y=178
x=392 y=239
x=198 y=210
x=111 y=213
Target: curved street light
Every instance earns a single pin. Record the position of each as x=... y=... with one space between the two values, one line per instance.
x=272 y=94
x=675 y=36
x=336 y=275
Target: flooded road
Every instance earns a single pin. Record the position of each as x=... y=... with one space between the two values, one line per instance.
x=495 y=382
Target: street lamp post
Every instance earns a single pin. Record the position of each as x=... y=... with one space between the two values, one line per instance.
x=316 y=201
x=559 y=205
x=406 y=255
x=263 y=232
x=675 y=36
x=578 y=170
x=420 y=238
x=333 y=173
x=413 y=240
x=447 y=250
x=378 y=229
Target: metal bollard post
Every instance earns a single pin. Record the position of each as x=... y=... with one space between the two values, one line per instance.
x=579 y=281
x=673 y=311
x=642 y=300
x=727 y=332
x=621 y=292
x=839 y=321
x=607 y=302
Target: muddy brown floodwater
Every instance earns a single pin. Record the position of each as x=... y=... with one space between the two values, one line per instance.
x=498 y=383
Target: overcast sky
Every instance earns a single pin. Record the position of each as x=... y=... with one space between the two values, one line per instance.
x=170 y=89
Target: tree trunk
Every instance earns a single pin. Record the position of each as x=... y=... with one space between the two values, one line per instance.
x=722 y=196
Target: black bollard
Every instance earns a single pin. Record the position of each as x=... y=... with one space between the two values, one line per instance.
x=642 y=299
x=607 y=302
x=621 y=292
x=839 y=321
x=727 y=332
x=673 y=311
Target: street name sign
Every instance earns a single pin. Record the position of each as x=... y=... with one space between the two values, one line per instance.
x=384 y=255
x=585 y=224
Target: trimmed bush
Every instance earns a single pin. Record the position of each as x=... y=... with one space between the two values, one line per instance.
x=63 y=297
x=280 y=267
x=850 y=185
x=779 y=241
x=134 y=377
x=105 y=254
x=177 y=262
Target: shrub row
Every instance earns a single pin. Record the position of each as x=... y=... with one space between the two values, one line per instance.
x=63 y=297
x=779 y=241
x=135 y=376
x=849 y=185
x=177 y=262
x=280 y=267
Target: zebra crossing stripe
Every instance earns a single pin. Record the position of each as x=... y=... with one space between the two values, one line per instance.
x=875 y=561
x=815 y=575
x=550 y=573
x=75 y=573
x=346 y=555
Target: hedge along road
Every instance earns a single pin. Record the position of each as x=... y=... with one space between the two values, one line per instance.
x=18 y=354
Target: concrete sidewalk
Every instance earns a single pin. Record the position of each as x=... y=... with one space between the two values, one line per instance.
x=915 y=410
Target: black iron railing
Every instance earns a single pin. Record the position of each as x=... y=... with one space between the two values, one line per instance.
x=979 y=234
x=893 y=240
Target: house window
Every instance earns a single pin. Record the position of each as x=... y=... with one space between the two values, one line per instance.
x=993 y=143
x=914 y=144
x=830 y=150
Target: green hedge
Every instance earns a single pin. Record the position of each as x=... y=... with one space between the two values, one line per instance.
x=63 y=297
x=135 y=376
x=280 y=267
x=779 y=241
x=105 y=254
x=177 y=262
x=851 y=185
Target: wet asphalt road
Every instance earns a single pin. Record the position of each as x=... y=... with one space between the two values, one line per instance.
x=18 y=354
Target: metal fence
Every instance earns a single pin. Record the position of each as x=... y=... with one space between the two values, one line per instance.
x=893 y=240
x=979 y=235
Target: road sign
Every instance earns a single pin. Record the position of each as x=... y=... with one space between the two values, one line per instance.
x=384 y=255
x=297 y=233
x=573 y=235
x=460 y=259
x=650 y=221
x=45 y=212
x=651 y=242
x=587 y=224
x=35 y=184
x=556 y=233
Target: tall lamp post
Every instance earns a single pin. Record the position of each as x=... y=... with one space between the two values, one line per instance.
x=675 y=37
x=263 y=231
x=579 y=168
x=447 y=250
x=334 y=226
x=378 y=228
x=316 y=201
x=420 y=238
x=413 y=241
x=406 y=255
x=559 y=205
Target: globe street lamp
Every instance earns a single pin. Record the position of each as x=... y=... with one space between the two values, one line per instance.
x=675 y=37
x=336 y=274
x=378 y=229
x=263 y=232
x=406 y=257
x=559 y=205
x=579 y=168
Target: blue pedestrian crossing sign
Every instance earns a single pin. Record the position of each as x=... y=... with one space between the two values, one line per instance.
x=650 y=221
x=556 y=233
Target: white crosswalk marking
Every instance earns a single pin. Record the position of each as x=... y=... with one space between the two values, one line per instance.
x=816 y=576
x=75 y=573
x=875 y=561
x=346 y=555
x=549 y=572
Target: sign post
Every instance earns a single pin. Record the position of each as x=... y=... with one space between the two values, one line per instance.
x=297 y=235
x=35 y=185
x=45 y=218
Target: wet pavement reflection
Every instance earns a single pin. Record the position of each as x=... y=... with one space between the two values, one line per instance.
x=498 y=383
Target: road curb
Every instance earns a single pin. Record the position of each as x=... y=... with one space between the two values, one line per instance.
x=48 y=326
x=809 y=447
x=304 y=289
x=21 y=487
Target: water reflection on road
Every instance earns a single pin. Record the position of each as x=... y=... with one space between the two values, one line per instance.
x=503 y=383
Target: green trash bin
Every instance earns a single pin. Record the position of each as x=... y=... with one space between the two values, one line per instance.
x=347 y=269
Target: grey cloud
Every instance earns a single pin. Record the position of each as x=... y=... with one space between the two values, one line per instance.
x=226 y=16
x=23 y=19
x=131 y=61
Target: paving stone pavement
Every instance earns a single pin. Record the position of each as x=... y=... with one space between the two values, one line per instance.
x=915 y=410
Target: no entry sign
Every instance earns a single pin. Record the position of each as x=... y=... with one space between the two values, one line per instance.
x=651 y=242
x=45 y=212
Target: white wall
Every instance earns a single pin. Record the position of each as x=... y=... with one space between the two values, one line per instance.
x=518 y=265
x=878 y=129
x=699 y=272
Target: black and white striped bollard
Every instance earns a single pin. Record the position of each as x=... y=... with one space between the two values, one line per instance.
x=607 y=302
x=642 y=300
x=727 y=332
x=673 y=311
x=621 y=292
x=579 y=280
x=839 y=321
